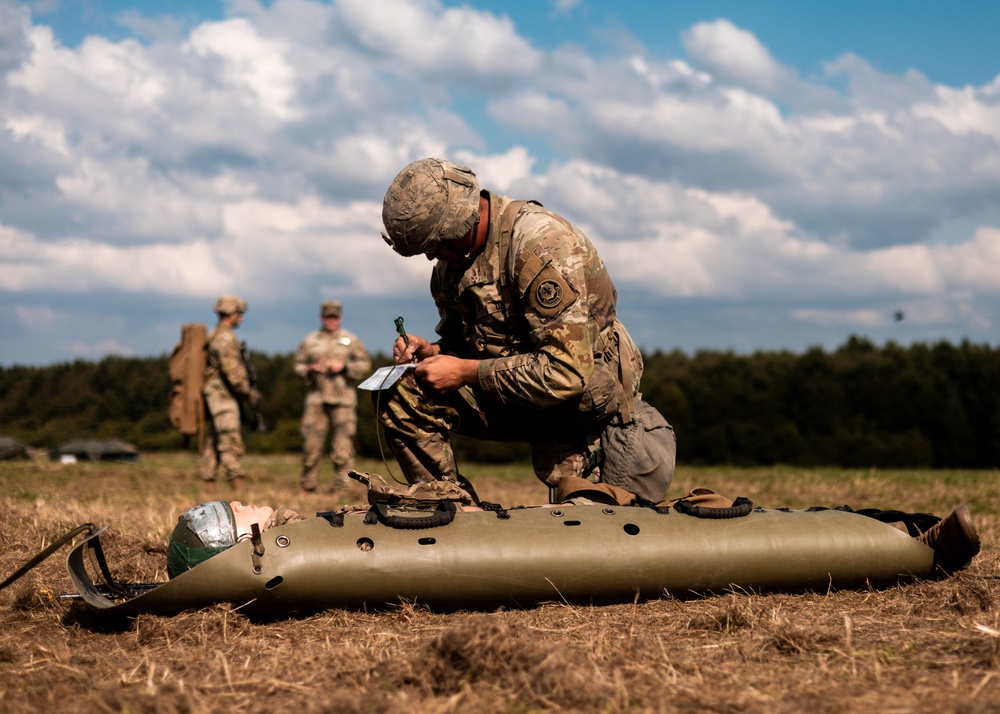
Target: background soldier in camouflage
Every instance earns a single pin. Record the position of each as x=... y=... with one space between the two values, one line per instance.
x=529 y=346
x=226 y=381
x=332 y=361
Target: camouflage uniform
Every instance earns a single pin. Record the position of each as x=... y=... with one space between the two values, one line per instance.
x=331 y=401
x=538 y=308
x=226 y=380
x=281 y=516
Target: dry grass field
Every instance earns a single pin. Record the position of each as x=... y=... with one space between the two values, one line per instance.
x=930 y=646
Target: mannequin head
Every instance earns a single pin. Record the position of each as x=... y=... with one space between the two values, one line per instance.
x=210 y=528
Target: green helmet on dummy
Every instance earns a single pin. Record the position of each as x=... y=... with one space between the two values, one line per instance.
x=204 y=531
x=430 y=201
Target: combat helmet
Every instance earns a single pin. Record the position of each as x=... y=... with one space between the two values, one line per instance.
x=430 y=201
x=204 y=531
x=229 y=304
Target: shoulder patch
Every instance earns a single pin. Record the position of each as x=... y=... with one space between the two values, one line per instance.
x=549 y=293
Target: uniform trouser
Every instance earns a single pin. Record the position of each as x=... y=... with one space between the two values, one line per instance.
x=318 y=420
x=223 y=444
x=417 y=421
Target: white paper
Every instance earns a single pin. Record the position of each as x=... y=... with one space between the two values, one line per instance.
x=385 y=377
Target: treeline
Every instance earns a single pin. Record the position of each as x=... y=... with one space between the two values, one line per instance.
x=861 y=405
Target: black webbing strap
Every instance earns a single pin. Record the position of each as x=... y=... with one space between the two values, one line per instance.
x=641 y=502
x=495 y=508
x=442 y=516
x=741 y=507
x=916 y=523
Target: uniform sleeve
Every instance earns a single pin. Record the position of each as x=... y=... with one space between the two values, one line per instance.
x=359 y=363
x=231 y=365
x=552 y=268
x=302 y=360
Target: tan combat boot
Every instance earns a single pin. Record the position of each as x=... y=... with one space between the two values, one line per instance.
x=954 y=540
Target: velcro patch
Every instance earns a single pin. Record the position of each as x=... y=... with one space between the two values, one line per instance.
x=549 y=293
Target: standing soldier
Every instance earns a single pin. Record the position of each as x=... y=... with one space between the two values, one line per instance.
x=332 y=361
x=226 y=381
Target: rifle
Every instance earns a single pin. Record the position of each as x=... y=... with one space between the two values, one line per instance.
x=252 y=377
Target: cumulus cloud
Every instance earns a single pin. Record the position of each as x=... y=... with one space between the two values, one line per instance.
x=734 y=55
x=250 y=62
x=856 y=155
x=427 y=39
x=14 y=27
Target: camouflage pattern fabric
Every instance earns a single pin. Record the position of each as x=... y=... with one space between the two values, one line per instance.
x=414 y=495
x=319 y=420
x=538 y=343
x=331 y=401
x=429 y=201
x=226 y=379
x=326 y=388
x=228 y=304
x=280 y=517
x=540 y=314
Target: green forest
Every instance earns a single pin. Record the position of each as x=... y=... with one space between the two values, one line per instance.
x=860 y=405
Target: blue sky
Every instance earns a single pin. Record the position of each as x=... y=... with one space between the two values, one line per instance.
x=767 y=175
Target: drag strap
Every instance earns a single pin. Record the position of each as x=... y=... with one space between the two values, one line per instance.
x=53 y=547
x=442 y=516
x=741 y=507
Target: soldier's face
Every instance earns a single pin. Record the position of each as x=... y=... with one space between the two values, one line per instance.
x=331 y=323
x=455 y=251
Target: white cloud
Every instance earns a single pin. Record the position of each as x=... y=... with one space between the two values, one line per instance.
x=251 y=61
x=45 y=131
x=734 y=54
x=964 y=111
x=426 y=38
x=500 y=172
x=682 y=242
x=974 y=264
x=79 y=266
x=117 y=75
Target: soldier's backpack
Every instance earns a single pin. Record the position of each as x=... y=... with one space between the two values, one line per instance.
x=186 y=406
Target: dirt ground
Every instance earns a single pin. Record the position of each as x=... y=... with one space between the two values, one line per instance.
x=931 y=646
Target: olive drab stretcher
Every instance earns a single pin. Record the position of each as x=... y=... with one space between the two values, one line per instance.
x=454 y=558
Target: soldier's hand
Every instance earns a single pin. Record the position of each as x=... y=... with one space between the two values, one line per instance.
x=445 y=373
x=335 y=366
x=253 y=398
x=418 y=349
